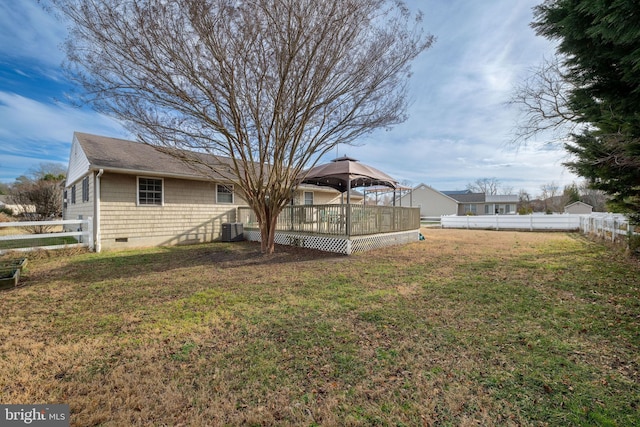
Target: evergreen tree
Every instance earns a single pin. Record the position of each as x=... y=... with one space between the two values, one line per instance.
x=599 y=41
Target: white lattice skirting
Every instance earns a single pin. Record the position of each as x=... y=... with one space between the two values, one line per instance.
x=339 y=244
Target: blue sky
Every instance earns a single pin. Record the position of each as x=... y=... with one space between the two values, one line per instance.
x=458 y=130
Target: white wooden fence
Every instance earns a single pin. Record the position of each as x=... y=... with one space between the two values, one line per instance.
x=613 y=227
x=561 y=222
x=24 y=240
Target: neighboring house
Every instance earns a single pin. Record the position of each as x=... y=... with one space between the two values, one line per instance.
x=501 y=204
x=468 y=203
x=308 y=194
x=4 y=200
x=578 y=208
x=140 y=196
x=434 y=203
x=5 y=203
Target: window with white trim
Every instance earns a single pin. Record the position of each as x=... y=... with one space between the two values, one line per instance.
x=224 y=193
x=73 y=194
x=308 y=197
x=470 y=209
x=150 y=191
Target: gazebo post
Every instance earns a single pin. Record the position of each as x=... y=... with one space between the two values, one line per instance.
x=348 y=214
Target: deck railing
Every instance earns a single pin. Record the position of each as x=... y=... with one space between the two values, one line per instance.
x=340 y=220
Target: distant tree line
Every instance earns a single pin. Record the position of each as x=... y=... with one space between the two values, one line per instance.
x=38 y=194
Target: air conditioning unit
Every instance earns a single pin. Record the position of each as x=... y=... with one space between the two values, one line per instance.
x=232 y=232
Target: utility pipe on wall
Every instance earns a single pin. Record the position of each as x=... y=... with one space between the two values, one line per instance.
x=98 y=244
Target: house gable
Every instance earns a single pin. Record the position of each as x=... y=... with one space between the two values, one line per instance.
x=79 y=164
x=431 y=201
x=578 y=208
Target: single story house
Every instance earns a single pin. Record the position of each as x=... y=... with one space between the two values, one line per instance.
x=578 y=208
x=434 y=203
x=6 y=203
x=501 y=204
x=484 y=204
x=140 y=196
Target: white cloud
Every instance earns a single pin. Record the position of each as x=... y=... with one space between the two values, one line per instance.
x=458 y=127
x=32 y=132
x=29 y=32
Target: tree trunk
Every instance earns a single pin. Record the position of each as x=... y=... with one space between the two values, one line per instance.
x=268 y=233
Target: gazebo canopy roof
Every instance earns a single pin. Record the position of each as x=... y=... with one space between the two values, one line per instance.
x=344 y=173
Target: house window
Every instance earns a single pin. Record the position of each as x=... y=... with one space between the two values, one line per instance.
x=85 y=189
x=64 y=199
x=224 y=193
x=150 y=191
x=308 y=197
x=470 y=209
x=507 y=209
x=73 y=194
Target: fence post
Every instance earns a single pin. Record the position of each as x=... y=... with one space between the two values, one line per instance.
x=90 y=243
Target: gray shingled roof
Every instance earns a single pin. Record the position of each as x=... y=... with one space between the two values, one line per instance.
x=467 y=197
x=130 y=156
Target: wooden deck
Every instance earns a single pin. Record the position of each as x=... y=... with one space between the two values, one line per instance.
x=340 y=220
x=339 y=228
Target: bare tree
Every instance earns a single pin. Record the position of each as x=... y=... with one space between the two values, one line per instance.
x=524 y=202
x=4 y=188
x=550 y=195
x=596 y=198
x=489 y=186
x=39 y=194
x=271 y=84
x=543 y=102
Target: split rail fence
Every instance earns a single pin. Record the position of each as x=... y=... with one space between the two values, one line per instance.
x=30 y=235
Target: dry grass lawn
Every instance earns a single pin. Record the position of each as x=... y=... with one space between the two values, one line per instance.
x=465 y=328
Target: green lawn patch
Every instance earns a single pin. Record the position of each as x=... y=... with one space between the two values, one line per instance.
x=463 y=328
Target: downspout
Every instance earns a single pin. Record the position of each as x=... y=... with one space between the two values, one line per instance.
x=96 y=216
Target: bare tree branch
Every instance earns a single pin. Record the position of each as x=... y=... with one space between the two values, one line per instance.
x=271 y=84
x=543 y=102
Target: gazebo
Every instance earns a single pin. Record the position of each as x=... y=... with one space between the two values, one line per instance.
x=345 y=173
x=343 y=228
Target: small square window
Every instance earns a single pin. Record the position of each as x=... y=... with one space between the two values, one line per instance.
x=224 y=193
x=150 y=191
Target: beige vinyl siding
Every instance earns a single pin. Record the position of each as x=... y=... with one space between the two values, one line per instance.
x=189 y=213
x=431 y=202
x=323 y=196
x=80 y=209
